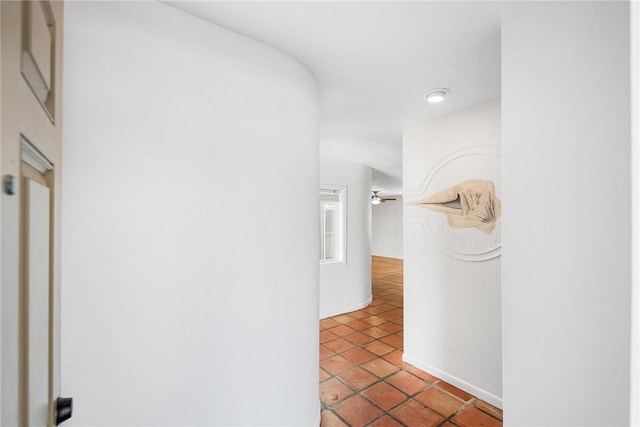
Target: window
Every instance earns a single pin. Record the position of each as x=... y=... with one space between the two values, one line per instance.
x=332 y=224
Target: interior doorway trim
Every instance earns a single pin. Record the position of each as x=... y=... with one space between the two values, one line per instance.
x=33 y=157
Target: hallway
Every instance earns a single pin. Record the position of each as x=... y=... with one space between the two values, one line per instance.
x=363 y=381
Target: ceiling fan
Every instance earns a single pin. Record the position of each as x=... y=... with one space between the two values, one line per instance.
x=376 y=200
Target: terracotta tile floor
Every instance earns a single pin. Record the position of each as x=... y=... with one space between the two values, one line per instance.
x=363 y=381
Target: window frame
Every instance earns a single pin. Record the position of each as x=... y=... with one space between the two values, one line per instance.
x=341 y=223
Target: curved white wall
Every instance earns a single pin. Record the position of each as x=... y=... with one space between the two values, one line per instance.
x=346 y=286
x=190 y=235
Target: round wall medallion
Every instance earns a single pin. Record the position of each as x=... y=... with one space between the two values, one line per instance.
x=459 y=203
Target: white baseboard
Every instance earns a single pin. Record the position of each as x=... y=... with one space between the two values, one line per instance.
x=350 y=309
x=463 y=385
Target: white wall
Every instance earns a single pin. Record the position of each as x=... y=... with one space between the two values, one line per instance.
x=386 y=229
x=635 y=214
x=452 y=306
x=190 y=260
x=346 y=286
x=566 y=193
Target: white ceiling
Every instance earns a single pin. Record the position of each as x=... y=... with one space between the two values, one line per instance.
x=374 y=62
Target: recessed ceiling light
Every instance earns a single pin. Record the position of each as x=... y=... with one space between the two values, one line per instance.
x=437 y=95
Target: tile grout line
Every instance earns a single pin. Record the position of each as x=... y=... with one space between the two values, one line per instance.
x=386 y=308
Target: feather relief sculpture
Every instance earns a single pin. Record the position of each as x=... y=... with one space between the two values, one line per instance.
x=471 y=203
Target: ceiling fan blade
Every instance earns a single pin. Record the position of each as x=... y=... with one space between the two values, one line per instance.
x=384 y=200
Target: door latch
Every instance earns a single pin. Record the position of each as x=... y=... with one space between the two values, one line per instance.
x=64 y=409
x=10 y=185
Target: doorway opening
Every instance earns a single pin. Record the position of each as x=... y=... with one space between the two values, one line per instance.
x=363 y=380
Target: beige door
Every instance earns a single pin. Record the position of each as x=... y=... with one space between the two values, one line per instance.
x=30 y=150
x=36 y=295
